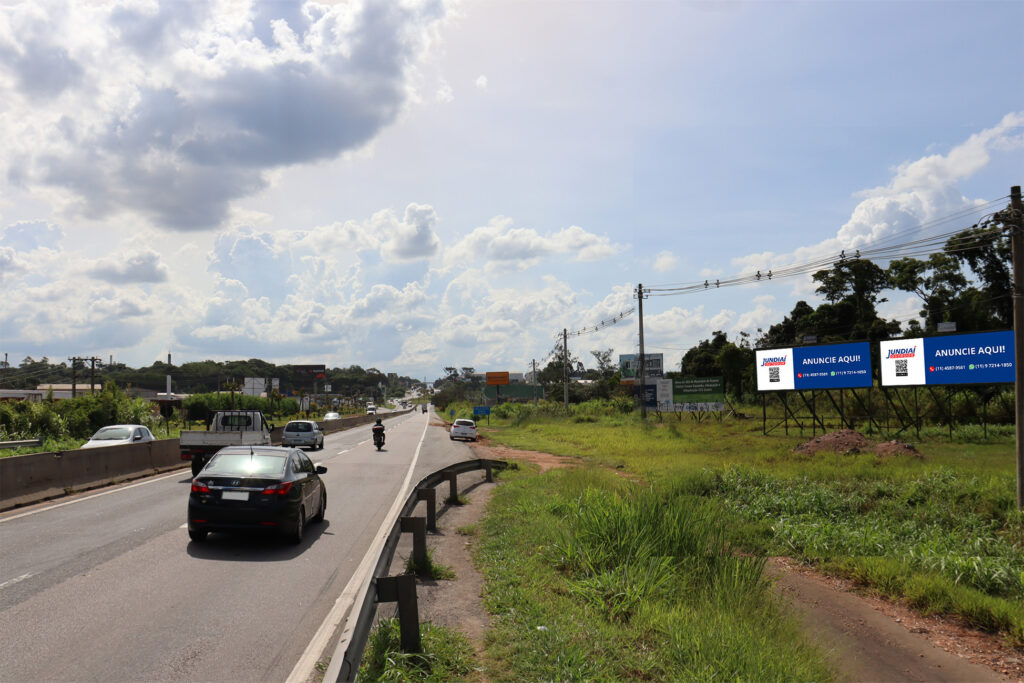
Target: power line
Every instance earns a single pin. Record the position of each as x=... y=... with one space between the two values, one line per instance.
x=878 y=251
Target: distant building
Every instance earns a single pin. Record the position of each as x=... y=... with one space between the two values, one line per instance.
x=63 y=391
x=30 y=395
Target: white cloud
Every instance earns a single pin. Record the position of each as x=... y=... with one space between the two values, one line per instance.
x=413 y=237
x=444 y=93
x=500 y=245
x=665 y=261
x=920 y=191
x=132 y=266
x=481 y=82
x=205 y=101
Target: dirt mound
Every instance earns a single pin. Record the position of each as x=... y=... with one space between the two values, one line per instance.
x=849 y=442
x=845 y=441
x=896 y=447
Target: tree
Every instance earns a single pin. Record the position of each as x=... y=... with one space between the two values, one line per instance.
x=702 y=359
x=606 y=368
x=946 y=293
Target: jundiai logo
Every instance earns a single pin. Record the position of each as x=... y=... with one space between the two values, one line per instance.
x=907 y=352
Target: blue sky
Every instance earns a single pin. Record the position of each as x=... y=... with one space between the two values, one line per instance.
x=414 y=185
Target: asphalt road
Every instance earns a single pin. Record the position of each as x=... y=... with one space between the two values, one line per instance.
x=106 y=585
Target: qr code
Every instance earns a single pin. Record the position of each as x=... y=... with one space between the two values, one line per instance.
x=901 y=368
x=773 y=375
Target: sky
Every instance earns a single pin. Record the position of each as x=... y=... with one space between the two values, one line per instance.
x=413 y=185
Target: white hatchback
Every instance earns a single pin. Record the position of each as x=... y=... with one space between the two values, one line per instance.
x=463 y=429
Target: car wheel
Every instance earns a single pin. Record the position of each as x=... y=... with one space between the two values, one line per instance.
x=323 y=507
x=197 y=467
x=296 y=536
x=452 y=438
x=198 y=535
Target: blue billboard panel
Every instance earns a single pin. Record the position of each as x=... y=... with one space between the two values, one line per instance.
x=836 y=366
x=833 y=366
x=980 y=358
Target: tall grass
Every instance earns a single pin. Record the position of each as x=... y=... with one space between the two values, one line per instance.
x=592 y=577
x=944 y=525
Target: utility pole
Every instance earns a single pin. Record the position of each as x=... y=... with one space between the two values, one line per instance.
x=6 y=365
x=565 y=365
x=1017 y=243
x=642 y=374
x=535 y=382
x=92 y=373
x=74 y=376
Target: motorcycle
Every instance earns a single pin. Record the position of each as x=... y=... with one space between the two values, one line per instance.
x=378 y=437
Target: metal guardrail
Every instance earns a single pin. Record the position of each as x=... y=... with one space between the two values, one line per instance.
x=20 y=444
x=345 y=662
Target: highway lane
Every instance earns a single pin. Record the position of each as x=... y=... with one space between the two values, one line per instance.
x=107 y=586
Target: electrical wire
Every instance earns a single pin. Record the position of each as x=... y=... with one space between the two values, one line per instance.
x=882 y=250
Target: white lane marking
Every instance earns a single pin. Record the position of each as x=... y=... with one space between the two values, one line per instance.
x=343 y=452
x=82 y=500
x=11 y=582
x=344 y=605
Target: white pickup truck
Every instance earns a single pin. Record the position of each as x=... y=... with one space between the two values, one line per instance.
x=227 y=428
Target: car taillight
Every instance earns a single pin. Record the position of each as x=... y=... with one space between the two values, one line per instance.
x=279 y=489
x=199 y=487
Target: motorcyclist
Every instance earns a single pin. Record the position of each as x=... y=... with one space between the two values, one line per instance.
x=378 y=428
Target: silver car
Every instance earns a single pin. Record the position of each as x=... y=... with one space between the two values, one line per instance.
x=299 y=433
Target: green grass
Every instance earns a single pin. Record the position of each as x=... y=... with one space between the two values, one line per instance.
x=941 y=532
x=446 y=655
x=592 y=577
x=430 y=569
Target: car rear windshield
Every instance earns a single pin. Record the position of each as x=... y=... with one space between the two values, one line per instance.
x=465 y=423
x=298 y=427
x=246 y=464
x=110 y=433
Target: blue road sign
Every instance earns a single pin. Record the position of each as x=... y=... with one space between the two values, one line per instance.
x=481 y=410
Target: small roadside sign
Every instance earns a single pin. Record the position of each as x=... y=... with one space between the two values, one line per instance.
x=481 y=410
x=497 y=378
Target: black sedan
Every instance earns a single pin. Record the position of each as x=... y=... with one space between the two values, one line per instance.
x=263 y=487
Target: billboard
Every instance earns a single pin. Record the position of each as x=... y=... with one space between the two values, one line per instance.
x=833 y=366
x=629 y=362
x=698 y=390
x=979 y=358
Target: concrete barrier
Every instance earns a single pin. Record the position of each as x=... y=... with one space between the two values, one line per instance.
x=26 y=479
x=34 y=477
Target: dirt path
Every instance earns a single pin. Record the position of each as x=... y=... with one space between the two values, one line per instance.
x=869 y=639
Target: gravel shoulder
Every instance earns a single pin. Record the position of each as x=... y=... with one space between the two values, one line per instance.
x=868 y=638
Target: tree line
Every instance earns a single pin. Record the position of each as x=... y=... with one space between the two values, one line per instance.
x=210 y=376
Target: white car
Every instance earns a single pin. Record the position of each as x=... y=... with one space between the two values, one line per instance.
x=298 y=433
x=463 y=429
x=331 y=416
x=371 y=409
x=119 y=435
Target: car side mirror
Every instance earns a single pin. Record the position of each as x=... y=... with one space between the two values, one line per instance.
x=137 y=437
x=320 y=469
